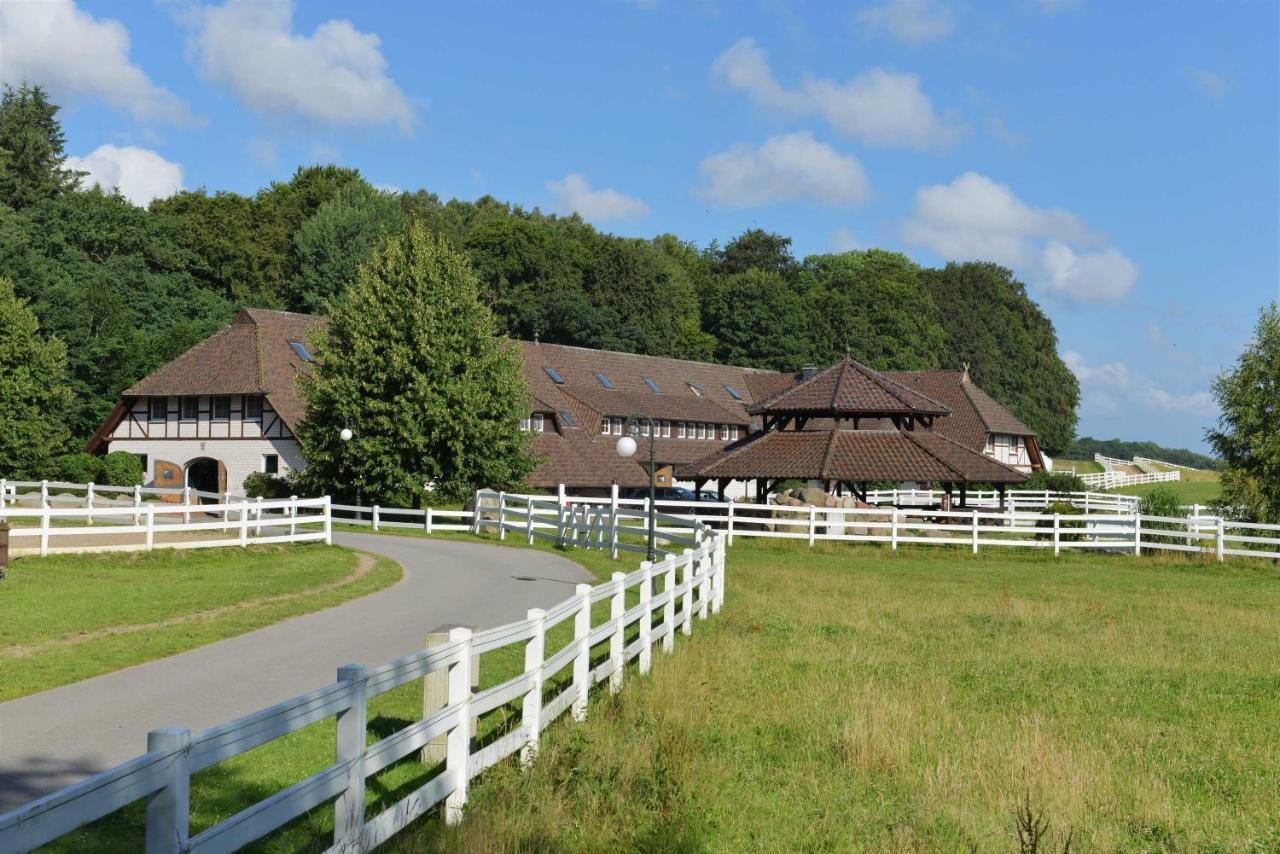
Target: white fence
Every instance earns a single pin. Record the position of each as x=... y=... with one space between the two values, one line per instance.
x=426 y=519
x=687 y=581
x=1145 y=463
x=1020 y=499
x=1115 y=479
x=1110 y=463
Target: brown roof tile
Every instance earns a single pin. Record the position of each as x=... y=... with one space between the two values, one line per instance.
x=849 y=387
x=974 y=413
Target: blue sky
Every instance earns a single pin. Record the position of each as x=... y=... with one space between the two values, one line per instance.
x=1121 y=157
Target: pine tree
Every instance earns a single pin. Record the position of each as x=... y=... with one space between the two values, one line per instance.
x=31 y=148
x=411 y=364
x=34 y=396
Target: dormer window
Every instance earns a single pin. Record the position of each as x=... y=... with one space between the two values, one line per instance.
x=653 y=387
x=534 y=423
x=554 y=375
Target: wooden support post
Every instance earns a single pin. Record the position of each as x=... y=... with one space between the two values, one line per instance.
x=582 y=661
x=531 y=712
x=44 y=493
x=168 y=809
x=151 y=528
x=348 y=810
x=137 y=502
x=44 y=531
x=893 y=530
x=458 y=739
x=646 y=617
x=293 y=515
x=244 y=522
x=257 y=515
x=4 y=491
x=528 y=521
x=669 y=607
x=813 y=523
x=704 y=586
x=1137 y=534
x=426 y=520
x=226 y=511
x=186 y=505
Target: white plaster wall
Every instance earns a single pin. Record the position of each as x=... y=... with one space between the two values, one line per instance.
x=242 y=457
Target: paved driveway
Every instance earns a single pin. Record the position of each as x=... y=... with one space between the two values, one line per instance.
x=57 y=737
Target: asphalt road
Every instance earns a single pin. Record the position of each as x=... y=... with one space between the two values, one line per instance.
x=54 y=738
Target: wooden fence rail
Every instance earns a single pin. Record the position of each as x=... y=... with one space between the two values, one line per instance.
x=687 y=582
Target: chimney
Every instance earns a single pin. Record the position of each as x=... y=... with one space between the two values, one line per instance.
x=964 y=378
x=808 y=372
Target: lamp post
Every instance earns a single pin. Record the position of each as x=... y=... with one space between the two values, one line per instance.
x=627 y=447
x=345 y=435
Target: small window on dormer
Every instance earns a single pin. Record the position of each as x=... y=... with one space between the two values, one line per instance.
x=554 y=375
x=603 y=380
x=653 y=387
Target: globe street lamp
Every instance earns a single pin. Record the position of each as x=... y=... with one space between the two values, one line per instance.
x=345 y=435
x=627 y=447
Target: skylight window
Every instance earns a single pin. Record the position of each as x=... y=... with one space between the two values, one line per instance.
x=567 y=419
x=697 y=389
x=653 y=387
x=604 y=381
x=301 y=349
x=555 y=375
x=733 y=392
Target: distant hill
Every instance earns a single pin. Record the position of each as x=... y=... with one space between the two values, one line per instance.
x=1085 y=447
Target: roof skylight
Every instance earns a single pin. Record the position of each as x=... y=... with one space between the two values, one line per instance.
x=733 y=392
x=567 y=419
x=697 y=389
x=555 y=375
x=301 y=349
x=604 y=381
x=653 y=387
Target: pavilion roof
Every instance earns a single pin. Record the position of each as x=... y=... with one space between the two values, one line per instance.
x=849 y=388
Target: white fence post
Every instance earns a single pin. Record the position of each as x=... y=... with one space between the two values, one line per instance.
x=44 y=493
x=704 y=586
x=893 y=526
x=718 y=599
x=151 y=528
x=686 y=578
x=4 y=491
x=348 y=810
x=88 y=502
x=226 y=511
x=293 y=515
x=502 y=515
x=669 y=607
x=646 y=617
x=44 y=531
x=186 y=504
x=1219 y=540
x=458 y=741
x=975 y=531
x=328 y=521
x=618 y=638
x=531 y=713
x=377 y=520
x=426 y=519
x=1137 y=534
x=613 y=521
x=560 y=516
x=257 y=515
x=729 y=526
x=528 y=521
x=1057 y=546
x=137 y=502
x=582 y=661
x=244 y=522
x=813 y=523
x=168 y=810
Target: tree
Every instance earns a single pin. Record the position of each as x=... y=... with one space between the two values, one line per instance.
x=759 y=321
x=755 y=249
x=31 y=146
x=410 y=363
x=340 y=236
x=1010 y=345
x=34 y=396
x=1248 y=433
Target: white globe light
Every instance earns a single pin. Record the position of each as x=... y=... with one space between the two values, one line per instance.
x=626 y=446
x=346 y=434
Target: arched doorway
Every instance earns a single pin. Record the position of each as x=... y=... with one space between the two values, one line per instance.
x=205 y=474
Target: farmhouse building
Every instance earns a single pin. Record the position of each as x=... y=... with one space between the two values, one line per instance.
x=230 y=406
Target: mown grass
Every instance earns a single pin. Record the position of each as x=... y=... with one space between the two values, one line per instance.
x=1077 y=466
x=1199 y=491
x=69 y=617
x=848 y=698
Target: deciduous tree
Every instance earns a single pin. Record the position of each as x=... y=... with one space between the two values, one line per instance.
x=34 y=396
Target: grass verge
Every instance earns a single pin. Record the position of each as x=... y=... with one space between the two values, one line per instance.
x=69 y=617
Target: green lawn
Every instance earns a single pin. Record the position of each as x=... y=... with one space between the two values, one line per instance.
x=1077 y=466
x=68 y=617
x=856 y=698
x=1189 y=491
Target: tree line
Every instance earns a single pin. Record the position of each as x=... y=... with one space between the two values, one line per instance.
x=1085 y=447
x=125 y=288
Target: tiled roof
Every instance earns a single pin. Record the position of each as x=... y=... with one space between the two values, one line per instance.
x=853 y=455
x=578 y=459
x=847 y=388
x=251 y=356
x=974 y=413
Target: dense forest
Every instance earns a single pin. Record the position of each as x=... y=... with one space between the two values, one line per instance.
x=127 y=288
x=1085 y=447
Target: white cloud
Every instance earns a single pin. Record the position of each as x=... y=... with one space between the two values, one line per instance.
x=975 y=217
x=138 y=173
x=1112 y=387
x=574 y=194
x=794 y=167
x=60 y=46
x=878 y=107
x=1210 y=84
x=843 y=240
x=336 y=76
x=910 y=21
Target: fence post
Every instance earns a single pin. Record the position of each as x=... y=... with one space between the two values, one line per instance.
x=293 y=515
x=502 y=515
x=44 y=493
x=559 y=518
x=4 y=490
x=168 y=809
x=531 y=713
x=257 y=515
x=718 y=599
x=226 y=511
x=151 y=528
x=1086 y=504
x=426 y=519
x=348 y=810
x=458 y=740
x=646 y=617
x=1137 y=533
x=244 y=522
x=88 y=501
x=1219 y=537
x=893 y=528
x=730 y=525
x=704 y=586
x=328 y=521
x=686 y=578
x=137 y=502
x=44 y=531
x=669 y=608
x=528 y=521
x=813 y=523
x=377 y=519
x=613 y=521
x=618 y=638
x=435 y=696
x=186 y=504
x=975 y=531
x=582 y=661
x=1057 y=548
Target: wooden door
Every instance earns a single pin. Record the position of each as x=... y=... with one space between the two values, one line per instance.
x=222 y=478
x=169 y=476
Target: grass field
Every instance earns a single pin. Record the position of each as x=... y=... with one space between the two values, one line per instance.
x=69 y=617
x=1200 y=491
x=1077 y=466
x=851 y=698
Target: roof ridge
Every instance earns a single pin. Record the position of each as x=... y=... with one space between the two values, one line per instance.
x=646 y=356
x=877 y=377
x=826 y=456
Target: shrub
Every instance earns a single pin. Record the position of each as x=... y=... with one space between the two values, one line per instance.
x=1055 y=481
x=1061 y=508
x=263 y=485
x=78 y=468
x=120 y=468
x=1162 y=501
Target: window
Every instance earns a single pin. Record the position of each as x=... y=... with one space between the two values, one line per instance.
x=190 y=408
x=724 y=432
x=653 y=387
x=554 y=374
x=681 y=431
x=534 y=423
x=221 y=407
x=617 y=426
x=567 y=419
x=702 y=431
x=142 y=458
x=991 y=443
x=604 y=426
x=696 y=389
x=301 y=349
x=666 y=429
x=253 y=407
x=604 y=381
x=733 y=392
x=271 y=463
x=159 y=408
x=734 y=437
